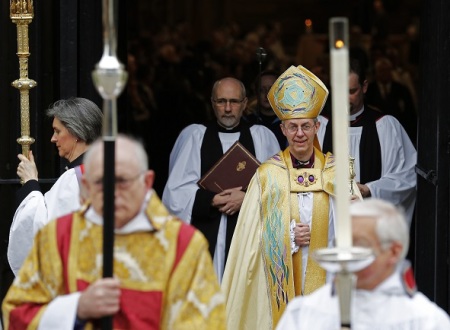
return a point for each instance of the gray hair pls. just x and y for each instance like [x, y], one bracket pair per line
[216, 84]
[97, 147]
[391, 225]
[81, 117]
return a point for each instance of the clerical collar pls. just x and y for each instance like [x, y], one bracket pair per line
[76, 162]
[302, 164]
[235, 129]
[354, 117]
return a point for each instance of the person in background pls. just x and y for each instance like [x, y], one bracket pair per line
[392, 97]
[385, 297]
[262, 112]
[197, 149]
[77, 122]
[288, 212]
[385, 157]
[163, 273]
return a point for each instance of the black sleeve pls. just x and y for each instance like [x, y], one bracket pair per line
[202, 205]
[206, 217]
[29, 186]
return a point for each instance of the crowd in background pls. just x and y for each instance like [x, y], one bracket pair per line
[171, 75]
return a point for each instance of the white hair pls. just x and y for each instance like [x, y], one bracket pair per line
[97, 147]
[391, 225]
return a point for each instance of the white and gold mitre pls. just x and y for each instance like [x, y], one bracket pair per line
[297, 94]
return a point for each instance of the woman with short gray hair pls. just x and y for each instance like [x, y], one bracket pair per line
[80, 116]
[77, 122]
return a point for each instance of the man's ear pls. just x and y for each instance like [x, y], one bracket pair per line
[149, 178]
[283, 129]
[396, 250]
[84, 190]
[364, 86]
[84, 182]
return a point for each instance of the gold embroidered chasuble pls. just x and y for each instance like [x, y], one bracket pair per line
[260, 263]
[167, 278]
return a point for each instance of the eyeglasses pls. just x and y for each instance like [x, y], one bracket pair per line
[121, 183]
[223, 102]
[294, 128]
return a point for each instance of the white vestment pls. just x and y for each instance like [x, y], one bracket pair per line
[397, 183]
[36, 210]
[184, 172]
[387, 307]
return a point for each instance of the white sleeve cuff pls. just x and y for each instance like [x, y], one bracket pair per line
[61, 313]
[294, 247]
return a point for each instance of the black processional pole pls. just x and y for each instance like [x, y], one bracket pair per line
[260, 56]
[109, 78]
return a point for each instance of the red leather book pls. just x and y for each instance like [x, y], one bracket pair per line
[234, 169]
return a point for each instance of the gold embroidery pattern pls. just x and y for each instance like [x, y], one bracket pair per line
[241, 166]
[196, 294]
[275, 239]
[277, 209]
[142, 262]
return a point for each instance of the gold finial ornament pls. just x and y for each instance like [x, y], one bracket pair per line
[21, 14]
[352, 173]
[354, 190]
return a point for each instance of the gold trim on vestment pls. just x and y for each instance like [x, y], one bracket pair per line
[72, 261]
[283, 271]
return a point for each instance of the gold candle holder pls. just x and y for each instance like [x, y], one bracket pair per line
[21, 14]
[354, 190]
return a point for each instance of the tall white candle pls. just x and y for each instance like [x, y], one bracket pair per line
[339, 93]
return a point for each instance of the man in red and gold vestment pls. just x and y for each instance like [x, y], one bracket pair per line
[163, 273]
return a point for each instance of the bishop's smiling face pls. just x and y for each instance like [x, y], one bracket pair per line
[300, 135]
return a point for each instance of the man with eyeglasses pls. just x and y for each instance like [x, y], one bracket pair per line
[163, 273]
[287, 213]
[197, 149]
[385, 296]
[385, 157]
